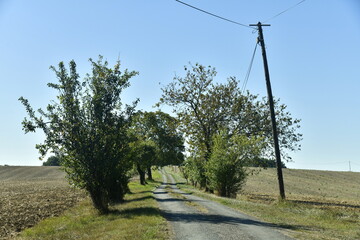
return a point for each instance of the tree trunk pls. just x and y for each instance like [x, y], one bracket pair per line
[222, 191]
[149, 173]
[141, 174]
[116, 192]
[99, 200]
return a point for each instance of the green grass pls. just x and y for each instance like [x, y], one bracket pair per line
[320, 218]
[137, 218]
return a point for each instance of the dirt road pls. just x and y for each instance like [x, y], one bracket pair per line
[192, 217]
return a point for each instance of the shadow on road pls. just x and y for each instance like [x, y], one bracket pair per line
[172, 200]
[164, 192]
[216, 219]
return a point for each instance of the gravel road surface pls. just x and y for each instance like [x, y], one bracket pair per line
[192, 217]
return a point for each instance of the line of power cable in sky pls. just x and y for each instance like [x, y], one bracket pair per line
[243, 25]
[249, 69]
[332, 163]
[275, 16]
[237, 23]
[214, 15]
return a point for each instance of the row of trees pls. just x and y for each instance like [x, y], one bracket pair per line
[225, 129]
[99, 138]
[155, 142]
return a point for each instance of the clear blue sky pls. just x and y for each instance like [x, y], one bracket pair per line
[313, 52]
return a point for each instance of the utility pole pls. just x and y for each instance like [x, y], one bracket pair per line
[272, 111]
[349, 166]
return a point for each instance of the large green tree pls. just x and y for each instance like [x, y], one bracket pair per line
[205, 107]
[88, 125]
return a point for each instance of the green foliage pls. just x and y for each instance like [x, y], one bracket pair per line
[204, 108]
[288, 127]
[162, 130]
[52, 161]
[88, 125]
[193, 170]
[225, 169]
[157, 141]
[143, 154]
[201, 105]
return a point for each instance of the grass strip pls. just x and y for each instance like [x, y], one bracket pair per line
[187, 201]
[301, 221]
[137, 218]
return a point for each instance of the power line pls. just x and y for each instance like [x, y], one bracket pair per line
[214, 15]
[284, 11]
[249, 69]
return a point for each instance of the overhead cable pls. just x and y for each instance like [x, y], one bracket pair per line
[284, 11]
[214, 15]
[249, 69]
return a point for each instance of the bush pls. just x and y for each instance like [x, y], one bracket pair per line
[52, 161]
[225, 169]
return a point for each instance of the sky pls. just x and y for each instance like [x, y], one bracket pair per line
[313, 54]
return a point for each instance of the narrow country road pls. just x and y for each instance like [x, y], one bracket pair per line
[192, 217]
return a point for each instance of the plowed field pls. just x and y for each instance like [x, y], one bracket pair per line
[30, 194]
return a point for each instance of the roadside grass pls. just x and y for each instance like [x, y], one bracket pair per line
[299, 219]
[137, 218]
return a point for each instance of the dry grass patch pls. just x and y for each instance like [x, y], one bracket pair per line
[306, 185]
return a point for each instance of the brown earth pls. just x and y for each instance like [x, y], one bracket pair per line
[31, 194]
[314, 187]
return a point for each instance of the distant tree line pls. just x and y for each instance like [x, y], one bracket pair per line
[52, 161]
[264, 163]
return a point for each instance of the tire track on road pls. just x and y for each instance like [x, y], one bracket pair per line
[189, 221]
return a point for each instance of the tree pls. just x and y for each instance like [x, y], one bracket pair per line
[201, 106]
[162, 129]
[143, 154]
[226, 167]
[52, 161]
[287, 126]
[204, 108]
[193, 169]
[88, 124]
[157, 141]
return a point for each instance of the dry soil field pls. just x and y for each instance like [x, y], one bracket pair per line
[30, 194]
[330, 188]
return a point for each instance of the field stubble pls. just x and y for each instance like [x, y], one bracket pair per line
[311, 187]
[31, 194]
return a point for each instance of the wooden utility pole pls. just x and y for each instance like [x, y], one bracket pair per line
[272, 111]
